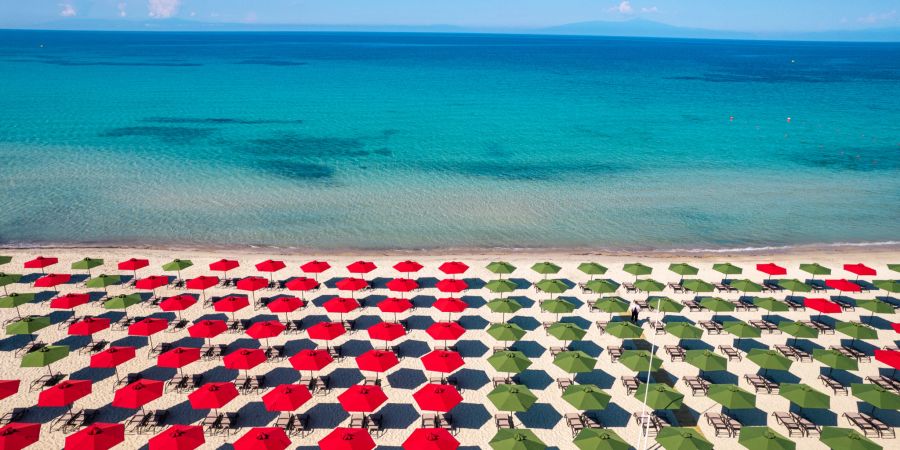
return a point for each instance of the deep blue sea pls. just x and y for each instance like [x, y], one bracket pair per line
[346, 140]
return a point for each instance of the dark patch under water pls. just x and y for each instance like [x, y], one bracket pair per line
[171, 135]
[220, 121]
[63, 62]
[271, 62]
[519, 171]
[307, 146]
[294, 170]
[857, 160]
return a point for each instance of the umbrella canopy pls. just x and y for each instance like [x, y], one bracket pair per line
[52, 280]
[504, 305]
[202, 282]
[794, 285]
[889, 357]
[351, 284]
[437, 397]
[769, 359]
[876, 396]
[252, 284]
[697, 285]
[112, 357]
[624, 330]
[509, 361]
[682, 438]
[599, 439]
[64, 394]
[846, 439]
[575, 362]
[122, 301]
[103, 281]
[764, 438]
[430, 439]
[804, 396]
[301, 284]
[177, 302]
[557, 306]
[741, 329]
[770, 304]
[265, 329]
[212, 395]
[88, 326]
[566, 331]
[177, 265]
[268, 438]
[270, 266]
[843, 285]
[402, 285]
[340, 305]
[133, 264]
[856, 330]
[585, 397]
[746, 286]
[546, 268]
[28, 325]
[888, 285]
[312, 360]
[224, 265]
[876, 306]
[377, 361]
[244, 359]
[152, 282]
[178, 357]
[326, 331]
[443, 361]
[798, 330]
[683, 330]
[612, 305]
[45, 356]
[207, 329]
[360, 398]
[835, 359]
[407, 266]
[501, 268]
[395, 305]
[7, 279]
[727, 269]
[347, 439]
[658, 396]
[4, 259]
[453, 267]
[512, 397]
[706, 360]
[771, 269]
[451, 285]
[16, 299]
[649, 285]
[450, 305]
[41, 262]
[445, 331]
[284, 304]
[665, 304]
[98, 436]
[501, 286]
[716, 304]
[637, 269]
[361, 267]
[386, 331]
[178, 437]
[640, 361]
[69, 301]
[731, 396]
[231, 303]
[315, 266]
[601, 286]
[821, 305]
[815, 269]
[286, 397]
[592, 268]
[860, 269]
[683, 269]
[9, 387]
[506, 332]
[148, 326]
[17, 436]
[516, 439]
[138, 394]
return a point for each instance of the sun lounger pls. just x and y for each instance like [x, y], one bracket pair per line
[45, 381]
[885, 431]
[573, 420]
[371, 380]
[720, 426]
[693, 305]
[373, 424]
[699, 386]
[177, 326]
[211, 422]
[335, 353]
[885, 382]
[320, 385]
[658, 327]
[94, 347]
[503, 420]
[556, 351]
[450, 381]
[851, 353]
[546, 327]
[601, 325]
[642, 304]
[275, 353]
[160, 348]
[730, 352]
[631, 384]
[498, 380]
[772, 286]
[766, 326]
[761, 385]
[845, 305]
[30, 347]
[711, 327]
[650, 423]
[675, 353]
[863, 425]
[677, 288]
[82, 418]
[135, 423]
[722, 287]
[591, 422]
[739, 305]
[500, 348]
[788, 421]
[63, 324]
[794, 306]
[615, 352]
[591, 304]
[13, 416]
[824, 329]
[349, 325]
[629, 287]
[564, 383]
[809, 428]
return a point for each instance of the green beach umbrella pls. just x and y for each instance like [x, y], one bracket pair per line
[7, 279]
[888, 285]
[649, 285]
[586, 397]
[15, 300]
[557, 306]
[697, 285]
[815, 269]
[575, 362]
[794, 285]
[501, 268]
[741, 329]
[512, 397]
[87, 264]
[659, 396]
[592, 268]
[552, 286]
[731, 396]
[637, 269]
[599, 439]
[894, 267]
[45, 356]
[506, 332]
[640, 361]
[601, 286]
[509, 361]
[876, 306]
[770, 304]
[504, 306]
[122, 301]
[716, 304]
[612, 305]
[705, 360]
[798, 330]
[5, 259]
[769, 359]
[624, 330]
[846, 439]
[856, 331]
[682, 438]
[764, 438]
[683, 269]
[876, 396]
[665, 304]
[501, 286]
[103, 281]
[516, 439]
[177, 265]
[835, 359]
[804, 396]
[28, 325]
[727, 269]
[684, 330]
[746, 286]
[545, 268]
[565, 331]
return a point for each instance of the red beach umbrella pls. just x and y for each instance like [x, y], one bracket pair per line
[284, 304]
[896, 327]
[437, 397]
[270, 266]
[286, 397]
[148, 327]
[311, 360]
[843, 285]
[430, 439]
[315, 267]
[407, 267]
[99, 436]
[69, 301]
[8, 387]
[212, 395]
[347, 439]
[265, 330]
[112, 357]
[52, 280]
[269, 438]
[65, 393]
[450, 305]
[445, 331]
[17, 436]
[361, 398]
[152, 282]
[402, 285]
[326, 331]
[88, 326]
[178, 437]
[352, 284]
[202, 283]
[252, 284]
[178, 357]
[302, 284]
[133, 265]
[361, 267]
[452, 285]
[138, 394]
[386, 331]
[245, 359]
[341, 305]
[207, 329]
[771, 269]
[394, 305]
[443, 361]
[822, 305]
[231, 303]
[178, 303]
[41, 262]
[224, 265]
[453, 267]
[889, 357]
[378, 361]
[860, 270]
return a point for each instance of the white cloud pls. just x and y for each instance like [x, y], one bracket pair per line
[650, 10]
[67, 10]
[163, 9]
[874, 18]
[625, 7]
[121, 6]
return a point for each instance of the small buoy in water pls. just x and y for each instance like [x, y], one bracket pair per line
[792, 61]
[731, 118]
[42, 45]
[789, 120]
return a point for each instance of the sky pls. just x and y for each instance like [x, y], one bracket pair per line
[731, 15]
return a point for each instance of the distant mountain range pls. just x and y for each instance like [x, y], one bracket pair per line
[627, 28]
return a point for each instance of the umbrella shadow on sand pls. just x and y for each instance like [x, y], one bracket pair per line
[398, 416]
[613, 416]
[474, 301]
[363, 322]
[696, 344]
[281, 375]
[14, 342]
[326, 416]
[254, 414]
[821, 417]
[471, 379]
[355, 347]
[130, 341]
[412, 348]
[721, 377]
[526, 323]
[473, 322]
[183, 413]
[526, 302]
[746, 344]
[344, 377]
[778, 376]
[530, 349]
[44, 414]
[407, 378]
[470, 348]
[93, 374]
[535, 379]
[876, 322]
[44, 296]
[419, 322]
[423, 301]
[596, 377]
[471, 416]
[589, 347]
[539, 416]
[294, 346]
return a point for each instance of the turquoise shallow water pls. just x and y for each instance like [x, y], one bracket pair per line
[420, 141]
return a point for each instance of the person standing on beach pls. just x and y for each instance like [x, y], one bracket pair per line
[634, 314]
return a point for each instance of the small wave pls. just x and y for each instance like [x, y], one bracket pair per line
[781, 247]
